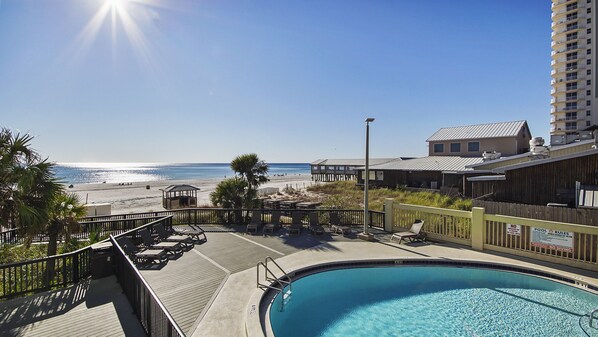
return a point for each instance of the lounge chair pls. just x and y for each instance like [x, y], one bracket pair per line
[192, 231]
[413, 234]
[255, 223]
[314, 224]
[141, 256]
[296, 225]
[148, 242]
[335, 224]
[274, 223]
[185, 240]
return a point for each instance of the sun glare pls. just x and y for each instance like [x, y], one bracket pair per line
[124, 16]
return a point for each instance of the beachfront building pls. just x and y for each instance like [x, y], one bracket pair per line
[444, 173]
[327, 170]
[556, 178]
[179, 196]
[574, 92]
[506, 138]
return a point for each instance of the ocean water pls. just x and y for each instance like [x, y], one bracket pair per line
[431, 301]
[88, 173]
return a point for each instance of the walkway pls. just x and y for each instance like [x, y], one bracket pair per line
[94, 307]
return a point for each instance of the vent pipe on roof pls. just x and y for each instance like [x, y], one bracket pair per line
[486, 156]
[537, 148]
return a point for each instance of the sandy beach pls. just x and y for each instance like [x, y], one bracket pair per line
[136, 198]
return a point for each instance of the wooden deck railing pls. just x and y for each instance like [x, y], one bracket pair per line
[43, 274]
[153, 316]
[116, 224]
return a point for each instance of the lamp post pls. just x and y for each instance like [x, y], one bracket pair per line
[366, 216]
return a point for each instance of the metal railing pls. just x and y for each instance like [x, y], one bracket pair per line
[44, 274]
[154, 318]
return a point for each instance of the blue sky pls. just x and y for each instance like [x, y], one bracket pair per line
[293, 81]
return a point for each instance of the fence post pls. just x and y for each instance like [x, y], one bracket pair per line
[389, 214]
[478, 228]
[76, 268]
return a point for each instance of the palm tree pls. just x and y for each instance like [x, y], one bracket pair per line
[254, 171]
[27, 185]
[229, 193]
[65, 211]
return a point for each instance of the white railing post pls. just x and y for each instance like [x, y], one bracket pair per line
[478, 228]
[390, 214]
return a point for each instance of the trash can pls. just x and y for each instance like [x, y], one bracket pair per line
[102, 260]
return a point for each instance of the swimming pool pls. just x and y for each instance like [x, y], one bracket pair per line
[431, 301]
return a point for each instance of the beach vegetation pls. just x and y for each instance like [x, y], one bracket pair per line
[254, 172]
[346, 195]
[229, 193]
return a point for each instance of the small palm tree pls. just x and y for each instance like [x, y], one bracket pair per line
[65, 212]
[254, 171]
[229, 193]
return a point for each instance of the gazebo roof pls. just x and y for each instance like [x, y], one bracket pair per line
[179, 188]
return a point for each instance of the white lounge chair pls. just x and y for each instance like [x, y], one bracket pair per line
[414, 233]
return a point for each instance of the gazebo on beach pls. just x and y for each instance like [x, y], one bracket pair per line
[179, 196]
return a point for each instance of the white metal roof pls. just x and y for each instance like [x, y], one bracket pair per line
[488, 178]
[479, 131]
[503, 169]
[352, 162]
[431, 163]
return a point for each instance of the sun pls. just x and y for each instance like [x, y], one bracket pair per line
[124, 18]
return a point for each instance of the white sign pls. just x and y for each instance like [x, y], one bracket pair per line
[552, 239]
[514, 229]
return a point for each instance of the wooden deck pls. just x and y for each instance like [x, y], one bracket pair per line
[92, 307]
[186, 286]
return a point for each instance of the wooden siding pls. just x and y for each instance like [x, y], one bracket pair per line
[582, 216]
[543, 183]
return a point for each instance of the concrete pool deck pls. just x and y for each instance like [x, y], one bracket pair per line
[237, 302]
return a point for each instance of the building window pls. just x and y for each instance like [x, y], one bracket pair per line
[589, 72]
[571, 46]
[571, 106]
[571, 16]
[572, 26]
[589, 41]
[589, 10]
[588, 112]
[589, 82]
[455, 147]
[571, 76]
[571, 66]
[571, 96]
[571, 126]
[588, 103]
[570, 116]
[589, 61]
[572, 36]
[572, 56]
[571, 7]
[589, 21]
[571, 86]
[588, 51]
[589, 92]
[588, 123]
[589, 31]
[438, 148]
[473, 147]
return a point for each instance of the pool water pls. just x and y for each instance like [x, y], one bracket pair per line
[431, 301]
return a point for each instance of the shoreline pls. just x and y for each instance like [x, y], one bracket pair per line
[135, 198]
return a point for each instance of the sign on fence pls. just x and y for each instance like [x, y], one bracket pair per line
[514, 229]
[552, 239]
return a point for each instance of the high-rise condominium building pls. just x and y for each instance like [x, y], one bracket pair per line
[574, 76]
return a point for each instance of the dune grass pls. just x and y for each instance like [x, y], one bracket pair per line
[344, 194]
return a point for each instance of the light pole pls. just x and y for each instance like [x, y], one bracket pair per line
[366, 179]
